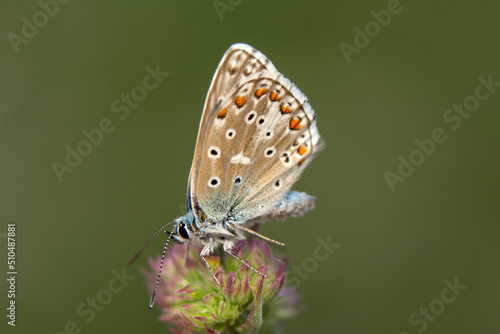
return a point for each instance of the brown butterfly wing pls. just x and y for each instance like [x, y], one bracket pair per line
[257, 134]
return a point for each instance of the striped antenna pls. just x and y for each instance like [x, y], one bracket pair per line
[133, 258]
[153, 297]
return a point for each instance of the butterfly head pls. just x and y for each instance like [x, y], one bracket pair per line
[183, 231]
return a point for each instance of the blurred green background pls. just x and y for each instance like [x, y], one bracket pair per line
[397, 247]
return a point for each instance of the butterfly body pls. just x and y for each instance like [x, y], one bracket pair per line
[207, 234]
[211, 235]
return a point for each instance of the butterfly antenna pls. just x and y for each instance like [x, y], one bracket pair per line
[133, 258]
[153, 296]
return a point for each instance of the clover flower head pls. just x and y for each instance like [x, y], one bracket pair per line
[193, 302]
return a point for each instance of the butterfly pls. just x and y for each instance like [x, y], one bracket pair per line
[256, 136]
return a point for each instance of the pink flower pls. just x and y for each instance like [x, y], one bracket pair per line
[193, 302]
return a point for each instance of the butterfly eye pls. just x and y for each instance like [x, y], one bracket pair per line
[183, 231]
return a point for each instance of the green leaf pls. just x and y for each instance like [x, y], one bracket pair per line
[254, 320]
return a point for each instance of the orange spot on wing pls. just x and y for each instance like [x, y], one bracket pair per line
[295, 124]
[222, 113]
[274, 96]
[302, 150]
[301, 162]
[240, 101]
[285, 109]
[259, 92]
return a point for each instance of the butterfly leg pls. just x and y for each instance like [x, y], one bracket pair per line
[210, 269]
[252, 232]
[230, 252]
